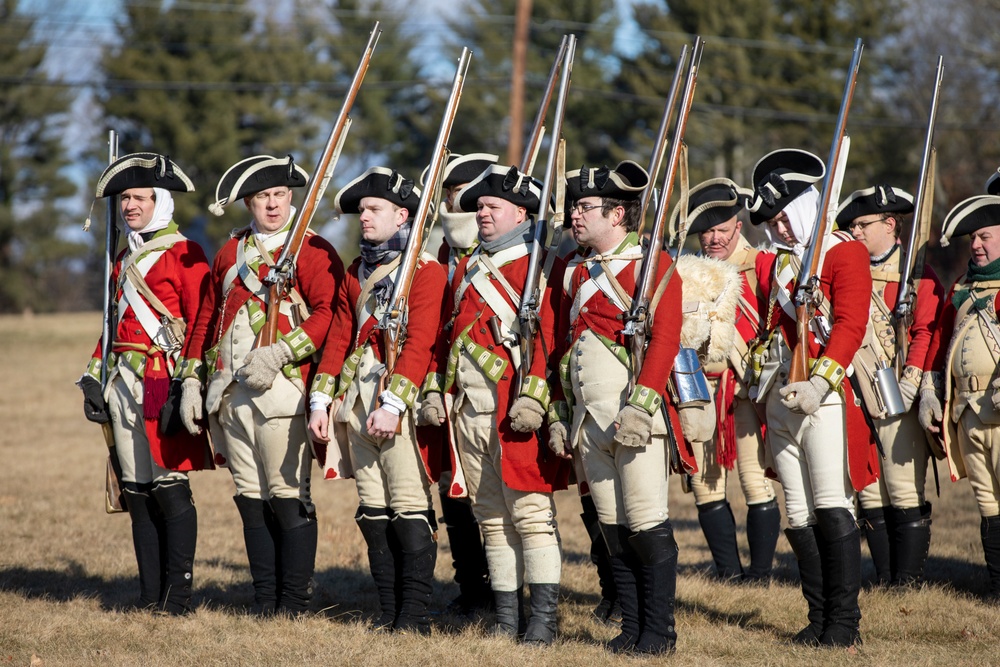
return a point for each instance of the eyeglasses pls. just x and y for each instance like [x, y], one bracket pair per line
[863, 225]
[583, 208]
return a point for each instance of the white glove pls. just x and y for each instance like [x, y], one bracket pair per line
[192, 405]
[431, 410]
[558, 436]
[804, 398]
[930, 411]
[909, 393]
[634, 426]
[526, 415]
[263, 364]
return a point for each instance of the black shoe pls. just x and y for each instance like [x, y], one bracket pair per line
[719, 527]
[416, 533]
[543, 624]
[657, 551]
[383, 554]
[805, 543]
[262, 538]
[149, 542]
[626, 570]
[510, 621]
[879, 545]
[299, 535]
[180, 521]
[841, 577]
[763, 528]
[911, 535]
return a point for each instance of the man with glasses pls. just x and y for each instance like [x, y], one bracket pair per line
[727, 433]
[611, 418]
[894, 512]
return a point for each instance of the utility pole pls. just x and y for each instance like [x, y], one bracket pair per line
[522, 20]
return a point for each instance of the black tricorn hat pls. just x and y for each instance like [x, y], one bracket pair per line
[142, 170]
[256, 174]
[876, 199]
[970, 215]
[382, 183]
[462, 168]
[993, 183]
[710, 203]
[504, 182]
[778, 178]
[626, 181]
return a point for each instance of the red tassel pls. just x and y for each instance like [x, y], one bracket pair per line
[725, 406]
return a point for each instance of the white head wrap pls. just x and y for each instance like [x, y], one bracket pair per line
[801, 213]
[163, 213]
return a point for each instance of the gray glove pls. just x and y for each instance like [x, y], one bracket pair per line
[909, 393]
[263, 364]
[526, 415]
[431, 410]
[192, 407]
[995, 395]
[930, 410]
[558, 435]
[634, 427]
[804, 398]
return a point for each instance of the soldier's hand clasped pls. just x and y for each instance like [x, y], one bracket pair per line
[431, 410]
[526, 415]
[634, 426]
[263, 364]
[95, 408]
[805, 398]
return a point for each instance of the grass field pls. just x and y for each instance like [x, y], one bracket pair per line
[67, 569]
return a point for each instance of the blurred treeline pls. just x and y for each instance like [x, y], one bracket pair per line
[210, 82]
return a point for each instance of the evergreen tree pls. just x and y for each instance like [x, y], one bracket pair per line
[210, 85]
[34, 258]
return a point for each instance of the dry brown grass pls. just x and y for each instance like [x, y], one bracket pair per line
[67, 570]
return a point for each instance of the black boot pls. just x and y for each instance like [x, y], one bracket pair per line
[180, 523]
[417, 535]
[841, 577]
[262, 538]
[543, 624]
[147, 538]
[716, 519]
[510, 620]
[805, 543]
[912, 542]
[657, 551]
[763, 528]
[877, 533]
[468, 557]
[989, 529]
[607, 610]
[384, 559]
[627, 571]
[299, 534]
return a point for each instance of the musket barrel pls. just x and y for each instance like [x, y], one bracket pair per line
[110, 246]
[810, 262]
[903, 299]
[538, 127]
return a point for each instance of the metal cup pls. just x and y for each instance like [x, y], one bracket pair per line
[689, 379]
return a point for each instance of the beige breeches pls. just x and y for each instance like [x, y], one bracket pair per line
[129, 427]
[389, 472]
[628, 484]
[904, 468]
[268, 457]
[980, 447]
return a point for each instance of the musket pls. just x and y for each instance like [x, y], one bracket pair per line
[637, 320]
[281, 277]
[114, 502]
[807, 293]
[393, 323]
[660, 145]
[916, 245]
[527, 313]
[534, 143]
